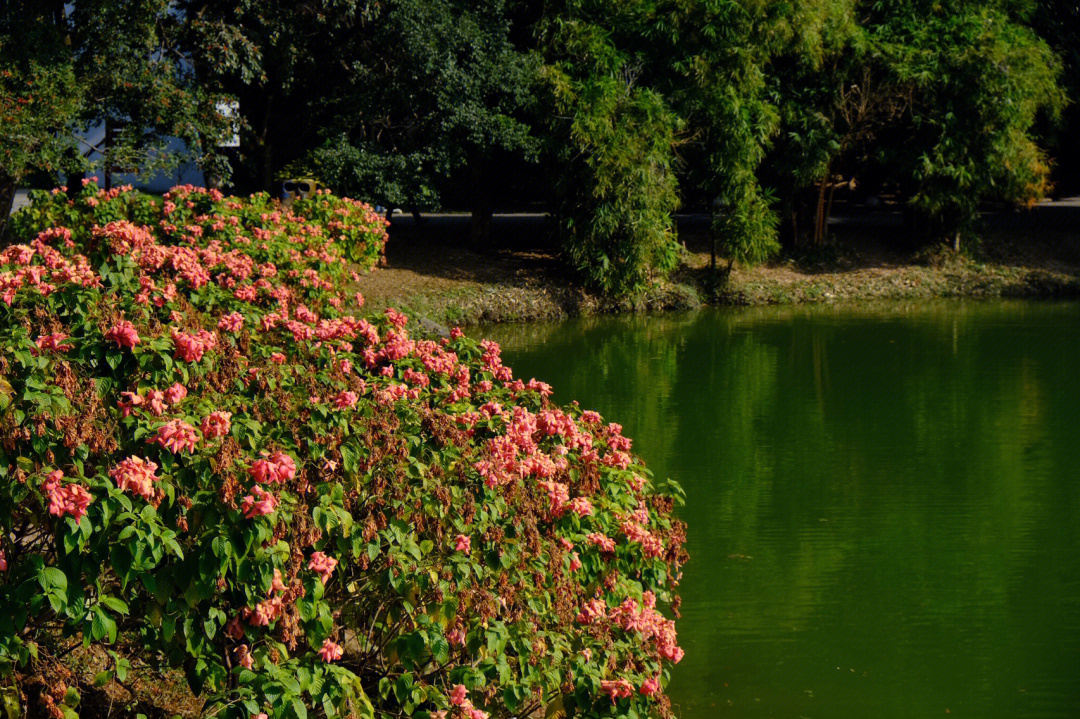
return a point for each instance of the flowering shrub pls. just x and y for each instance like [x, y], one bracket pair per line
[211, 462]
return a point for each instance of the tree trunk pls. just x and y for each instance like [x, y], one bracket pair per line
[7, 197]
[819, 218]
[256, 174]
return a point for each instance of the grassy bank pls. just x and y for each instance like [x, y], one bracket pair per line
[432, 271]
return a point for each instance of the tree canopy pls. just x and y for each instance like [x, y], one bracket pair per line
[614, 115]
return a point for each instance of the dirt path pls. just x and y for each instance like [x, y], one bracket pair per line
[431, 269]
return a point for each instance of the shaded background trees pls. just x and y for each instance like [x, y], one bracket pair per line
[611, 116]
[68, 67]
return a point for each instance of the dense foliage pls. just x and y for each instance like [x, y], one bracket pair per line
[612, 114]
[938, 102]
[614, 141]
[67, 68]
[210, 462]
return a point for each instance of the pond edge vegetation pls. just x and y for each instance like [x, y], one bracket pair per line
[219, 476]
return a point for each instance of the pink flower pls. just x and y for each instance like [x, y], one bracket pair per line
[606, 544]
[580, 506]
[558, 494]
[277, 358]
[650, 687]
[176, 436]
[135, 475]
[458, 695]
[277, 585]
[345, 400]
[258, 503]
[190, 347]
[128, 405]
[232, 322]
[322, 565]
[264, 612]
[475, 713]
[156, 399]
[234, 629]
[53, 341]
[244, 654]
[65, 499]
[463, 544]
[617, 689]
[216, 424]
[124, 334]
[277, 469]
[591, 611]
[330, 651]
[176, 393]
[3, 561]
[575, 562]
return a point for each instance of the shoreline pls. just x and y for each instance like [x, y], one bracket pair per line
[432, 273]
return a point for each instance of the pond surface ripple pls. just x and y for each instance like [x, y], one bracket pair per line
[883, 501]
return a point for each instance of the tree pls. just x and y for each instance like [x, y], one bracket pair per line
[612, 140]
[981, 78]
[381, 100]
[944, 99]
[38, 98]
[1058, 22]
[67, 67]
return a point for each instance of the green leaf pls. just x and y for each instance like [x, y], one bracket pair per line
[53, 577]
[117, 605]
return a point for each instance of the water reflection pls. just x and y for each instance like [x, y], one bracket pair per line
[882, 502]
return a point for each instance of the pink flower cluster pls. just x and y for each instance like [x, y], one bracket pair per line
[322, 565]
[175, 394]
[54, 269]
[591, 611]
[617, 689]
[216, 424]
[345, 400]
[459, 697]
[277, 468]
[155, 400]
[606, 543]
[258, 503]
[65, 499]
[330, 652]
[650, 624]
[190, 347]
[650, 687]
[54, 342]
[123, 334]
[232, 322]
[176, 436]
[135, 475]
[559, 496]
[243, 654]
[635, 528]
[265, 611]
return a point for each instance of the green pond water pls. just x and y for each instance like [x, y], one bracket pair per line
[883, 501]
